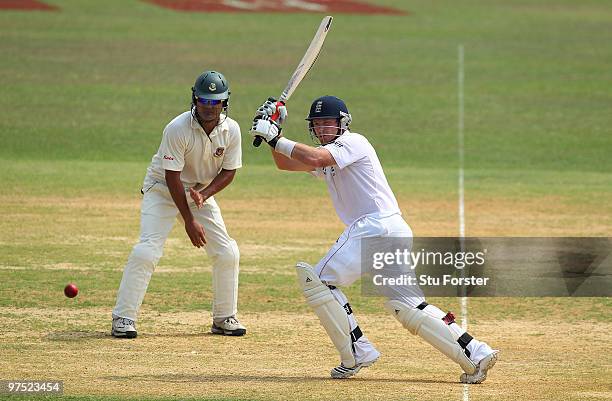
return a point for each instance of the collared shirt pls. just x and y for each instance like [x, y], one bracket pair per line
[185, 147]
[357, 182]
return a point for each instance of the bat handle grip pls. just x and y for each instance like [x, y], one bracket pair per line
[258, 140]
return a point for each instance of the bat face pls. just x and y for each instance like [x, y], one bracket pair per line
[305, 64]
[309, 58]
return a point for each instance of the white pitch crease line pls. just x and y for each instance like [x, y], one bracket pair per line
[460, 135]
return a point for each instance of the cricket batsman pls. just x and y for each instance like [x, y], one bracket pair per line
[366, 205]
[199, 154]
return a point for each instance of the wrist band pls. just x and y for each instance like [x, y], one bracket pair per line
[285, 146]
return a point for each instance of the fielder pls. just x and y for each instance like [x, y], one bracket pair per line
[366, 205]
[199, 154]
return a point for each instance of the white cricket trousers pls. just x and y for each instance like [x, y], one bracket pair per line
[157, 217]
[341, 266]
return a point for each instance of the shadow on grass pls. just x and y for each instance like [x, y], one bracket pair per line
[187, 378]
[89, 335]
[204, 333]
[76, 335]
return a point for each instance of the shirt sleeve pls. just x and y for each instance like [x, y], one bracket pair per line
[347, 150]
[233, 154]
[172, 149]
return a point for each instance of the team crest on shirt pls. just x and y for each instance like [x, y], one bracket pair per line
[219, 152]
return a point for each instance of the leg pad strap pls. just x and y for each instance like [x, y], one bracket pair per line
[332, 315]
[435, 332]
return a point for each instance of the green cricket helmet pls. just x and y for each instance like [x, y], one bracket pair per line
[211, 85]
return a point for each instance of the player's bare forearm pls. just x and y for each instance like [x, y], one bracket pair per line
[222, 180]
[287, 164]
[194, 230]
[177, 191]
[312, 157]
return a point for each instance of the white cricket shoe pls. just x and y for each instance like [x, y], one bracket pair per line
[342, 372]
[123, 327]
[228, 327]
[481, 370]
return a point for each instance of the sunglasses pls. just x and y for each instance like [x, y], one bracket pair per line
[209, 102]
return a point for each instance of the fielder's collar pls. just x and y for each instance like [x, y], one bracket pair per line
[223, 127]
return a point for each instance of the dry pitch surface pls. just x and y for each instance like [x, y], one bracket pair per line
[551, 348]
[286, 356]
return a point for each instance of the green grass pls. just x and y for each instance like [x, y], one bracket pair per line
[91, 83]
[87, 90]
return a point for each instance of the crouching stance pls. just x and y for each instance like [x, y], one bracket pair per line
[366, 205]
[199, 154]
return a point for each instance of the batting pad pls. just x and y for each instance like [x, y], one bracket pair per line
[432, 330]
[331, 314]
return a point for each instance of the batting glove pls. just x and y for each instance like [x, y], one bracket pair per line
[271, 107]
[267, 129]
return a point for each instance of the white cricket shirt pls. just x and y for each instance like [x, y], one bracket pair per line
[185, 147]
[357, 183]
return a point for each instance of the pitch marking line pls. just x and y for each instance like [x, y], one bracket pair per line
[460, 138]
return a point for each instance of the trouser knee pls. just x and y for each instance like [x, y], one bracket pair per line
[226, 257]
[147, 253]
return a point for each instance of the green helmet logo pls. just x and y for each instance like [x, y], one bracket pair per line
[211, 85]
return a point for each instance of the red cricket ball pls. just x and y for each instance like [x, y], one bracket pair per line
[71, 290]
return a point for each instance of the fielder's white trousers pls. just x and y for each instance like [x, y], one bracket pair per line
[341, 266]
[157, 217]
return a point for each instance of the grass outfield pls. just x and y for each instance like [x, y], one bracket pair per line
[104, 78]
[87, 90]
